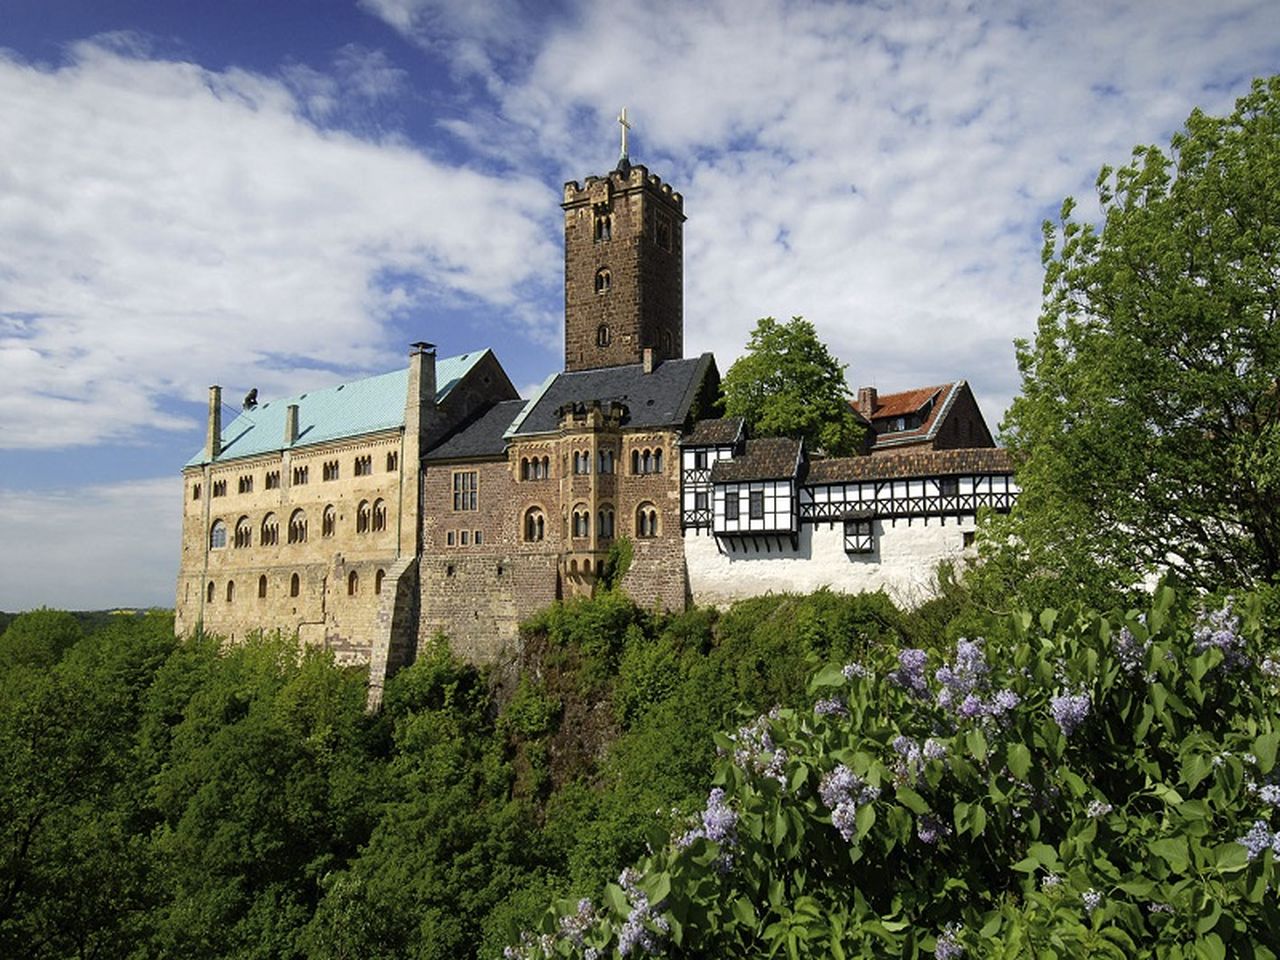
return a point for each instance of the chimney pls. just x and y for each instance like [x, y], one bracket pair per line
[213, 438]
[420, 404]
[867, 401]
[647, 359]
[291, 425]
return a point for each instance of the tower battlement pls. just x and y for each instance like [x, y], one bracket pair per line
[633, 177]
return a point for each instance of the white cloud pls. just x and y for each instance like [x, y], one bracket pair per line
[166, 224]
[92, 547]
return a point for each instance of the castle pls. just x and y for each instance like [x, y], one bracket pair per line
[371, 515]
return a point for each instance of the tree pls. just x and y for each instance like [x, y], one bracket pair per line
[788, 383]
[1148, 428]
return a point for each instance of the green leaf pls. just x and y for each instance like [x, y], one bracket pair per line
[1019, 760]
[1211, 948]
[1173, 851]
[864, 819]
[829, 676]
[1209, 915]
[912, 800]
[977, 819]
[1264, 748]
[745, 912]
[1230, 857]
[616, 899]
[977, 744]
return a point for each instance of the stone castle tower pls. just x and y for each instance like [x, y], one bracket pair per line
[623, 270]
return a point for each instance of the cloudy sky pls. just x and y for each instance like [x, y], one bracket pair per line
[285, 194]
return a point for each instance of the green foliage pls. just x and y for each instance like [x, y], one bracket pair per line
[789, 384]
[38, 639]
[889, 818]
[1148, 428]
[617, 563]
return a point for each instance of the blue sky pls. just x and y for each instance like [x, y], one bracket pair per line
[283, 195]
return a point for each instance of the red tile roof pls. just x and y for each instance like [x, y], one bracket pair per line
[914, 463]
[908, 401]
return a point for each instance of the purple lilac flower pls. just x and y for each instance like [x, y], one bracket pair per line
[831, 707]
[948, 945]
[591, 953]
[910, 672]
[1092, 900]
[1270, 794]
[574, 927]
[1004, 701]
[1220, 630]
[842, 792]
[719, 825]
[1070, 710]
[1270, 667]
[964, 676]
[1131, 654]
[852, 670]
[755, 752]
[1049, 881]
[934, 749]
[1159, 908]
[930, 829]
[1098, 808]
[635, 935]
[1258, 839]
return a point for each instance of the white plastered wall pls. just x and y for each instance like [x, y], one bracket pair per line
[902, 564]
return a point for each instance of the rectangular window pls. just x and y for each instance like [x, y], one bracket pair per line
[464, 490]
[731, 506]
[700, 460]
[700, 500]
[970, 538]
[949, 486]
[755, 504]
[273, 480]
[478, 539]
[448, 538]
[466, 537]
[859, 536]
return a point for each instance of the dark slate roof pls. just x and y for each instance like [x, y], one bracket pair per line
[765, 458]
[482, 437]
[910, 463]
[658, 399]
[714, 433]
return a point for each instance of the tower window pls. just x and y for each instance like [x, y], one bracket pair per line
[262, 587]
[663, 231]
[603, 227]
[377, 581]
[602, 335]
[195, 491]
[602, 280]
[295, 585]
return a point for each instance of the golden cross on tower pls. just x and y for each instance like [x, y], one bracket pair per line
[626, 125]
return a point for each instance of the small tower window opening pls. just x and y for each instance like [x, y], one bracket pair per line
[663, 231]
[231, 590]
[666, 343]
[534, 525]
[379, 515]
[195, 491]
[604, 523]
[262, 587]
[603, 280]
[353, 583]
[270, 531]
[646, 521]
[328, 522]
[208, 594]
[217, 535]
[581, 523]
[603, 228]
[295, 585]
[377, 581]
[364, 466]
[393, 462]
[298, 527]
[606, 461]
[244, 533]
[330, 470]
[602, 335]
[364, 517]
[582, 462]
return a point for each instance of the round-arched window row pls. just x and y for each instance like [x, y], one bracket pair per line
[647, 460]
[535, 525]
[535, 468]
[646, 521]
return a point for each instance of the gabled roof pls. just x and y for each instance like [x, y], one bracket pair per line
[976, 461]
[908, 402]
[723, 432]
[661, 398]
[484, 436]
[765, 458]
[349, 409]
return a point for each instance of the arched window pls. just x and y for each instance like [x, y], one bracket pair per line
[534, 525]
[244, 532]
[262, 587]
[657, 460]
[602, 280]
[635, 461]
[353, 583]
[524, 468]
[298, 527]
[646, 521]
[295, 585]
[208, 594]
[606, 461]
[666, 342]
[379, 515]
[604, 523]
[270, 531]
[646, 462]
[231, 590]
[364, 517]
[546, 467]
[602, 335]
[581, 521]
[377, 581]
[217, 535]
[329, 521]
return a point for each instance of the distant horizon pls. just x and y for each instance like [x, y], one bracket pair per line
[253, 195]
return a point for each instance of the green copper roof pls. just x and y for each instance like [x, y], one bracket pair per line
[334, 413]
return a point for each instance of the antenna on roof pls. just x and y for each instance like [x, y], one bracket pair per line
[251, 399]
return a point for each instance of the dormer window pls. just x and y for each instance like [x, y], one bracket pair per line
[602, 280]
